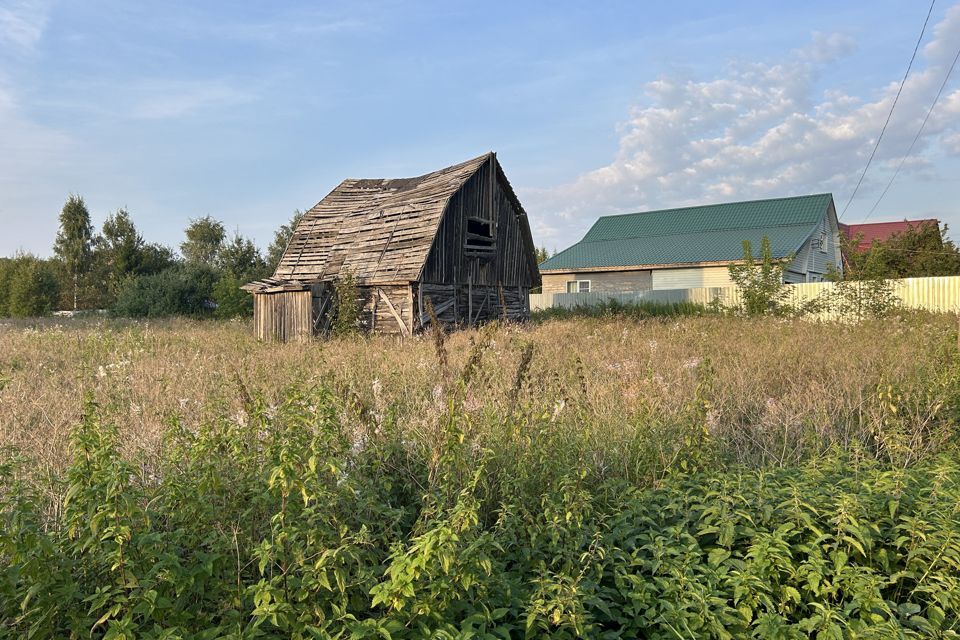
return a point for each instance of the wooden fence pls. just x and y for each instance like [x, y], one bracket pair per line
[940, 294]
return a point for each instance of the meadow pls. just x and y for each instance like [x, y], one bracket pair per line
[616, 476]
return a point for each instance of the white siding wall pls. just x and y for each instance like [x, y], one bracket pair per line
[691, 278]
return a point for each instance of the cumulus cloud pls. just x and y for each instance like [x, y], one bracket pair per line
[760, 130]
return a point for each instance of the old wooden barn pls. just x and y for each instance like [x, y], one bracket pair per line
[457, 239]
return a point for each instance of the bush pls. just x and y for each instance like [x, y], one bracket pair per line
[180, 290]
[761, 285]
[346, 305]
[28, 287]
[862, 299]
[283, 523]
[614, 309]
[231, 300]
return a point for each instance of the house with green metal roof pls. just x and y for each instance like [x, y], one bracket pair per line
[694, 246]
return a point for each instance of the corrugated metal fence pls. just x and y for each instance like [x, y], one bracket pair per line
[940, 294]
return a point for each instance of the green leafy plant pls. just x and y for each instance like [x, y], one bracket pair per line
[346, 305]
[761, 284]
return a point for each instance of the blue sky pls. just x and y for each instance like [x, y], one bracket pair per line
[246, 111]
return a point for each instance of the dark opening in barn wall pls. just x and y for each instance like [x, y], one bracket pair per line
[480, 235]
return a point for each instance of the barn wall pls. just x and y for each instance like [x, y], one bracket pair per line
[285, 316]
[450, 262]
[470, 305]
[458, 273]
[376, 314]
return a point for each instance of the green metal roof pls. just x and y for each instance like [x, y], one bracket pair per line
[710, 233]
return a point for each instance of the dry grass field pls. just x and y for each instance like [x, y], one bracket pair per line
[697, 476]
[769, 391]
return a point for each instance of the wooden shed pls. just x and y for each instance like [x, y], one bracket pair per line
[456, 238]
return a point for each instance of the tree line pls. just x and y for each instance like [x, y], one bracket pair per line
[115, 269]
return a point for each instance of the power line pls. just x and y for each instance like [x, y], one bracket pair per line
[890, 114]
[916, 137]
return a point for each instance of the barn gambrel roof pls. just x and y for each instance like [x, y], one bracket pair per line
[381, 230]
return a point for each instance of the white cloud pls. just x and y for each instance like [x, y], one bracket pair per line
[31, 157]
[161, 100]
[22, 24]
[760, 130]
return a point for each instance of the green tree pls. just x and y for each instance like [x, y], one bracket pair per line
[281, 238]
[761, 285]
[922, 250]
[118, 249]
[73, 244]
[240, 262]
[154, 258]
[205, 237]
[28, 286]
[241, 258]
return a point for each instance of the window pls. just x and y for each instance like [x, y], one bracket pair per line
[479, 235]
[822, 244]
[578, 286]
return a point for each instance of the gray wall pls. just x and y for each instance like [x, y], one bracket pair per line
[601, 281]
[811, 263]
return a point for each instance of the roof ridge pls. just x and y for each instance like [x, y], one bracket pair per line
[483, 157]
[716, 204]
[904, 221]
[710, 230]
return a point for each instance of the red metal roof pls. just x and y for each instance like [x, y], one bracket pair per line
[881, 230]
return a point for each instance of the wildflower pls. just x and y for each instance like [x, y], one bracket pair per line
[558, 408]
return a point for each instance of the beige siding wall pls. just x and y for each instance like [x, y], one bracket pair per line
[601, 281]
[691, 278]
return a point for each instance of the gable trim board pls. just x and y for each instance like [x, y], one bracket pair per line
[707, 239]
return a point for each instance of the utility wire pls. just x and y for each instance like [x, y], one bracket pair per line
[916, 137]
[890, 114]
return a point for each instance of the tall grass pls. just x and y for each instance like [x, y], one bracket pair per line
[603, 476]
[766, 391]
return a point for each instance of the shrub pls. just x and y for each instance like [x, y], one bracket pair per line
[346, 305]
[615, 309]
[282, 522]
[179, 290]
[862, 299]
[28, 287]
[761, 285]
[231, 300]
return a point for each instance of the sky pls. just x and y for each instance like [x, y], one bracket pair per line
[246, 111]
